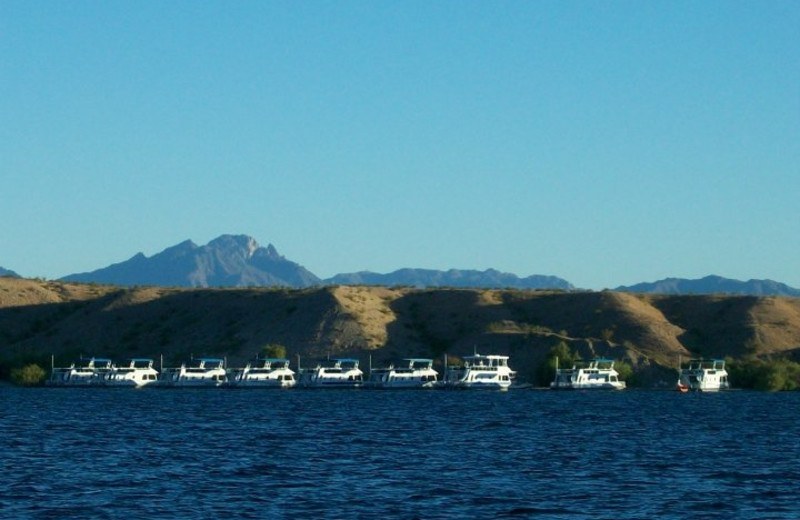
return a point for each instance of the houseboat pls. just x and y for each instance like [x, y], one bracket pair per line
[198, 373]
[703, 375]
[263, 373]
[333, 373]
[410, 373]
[136, 373]
[480, 371]
[595, 374]
[84, 372]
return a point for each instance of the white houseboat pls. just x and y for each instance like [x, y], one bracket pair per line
[198, 373]
[480, 371]
[263, 373]
[411, 373]
[333, 373]
[138, 372]
[595, 374]
[703, 375]
[84, 372]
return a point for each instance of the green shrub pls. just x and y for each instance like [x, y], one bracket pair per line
[560, 355]
[772, 375]
[273, 350]
[29, 375]
[625, 370]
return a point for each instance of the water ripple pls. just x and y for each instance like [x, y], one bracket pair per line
[400, 455]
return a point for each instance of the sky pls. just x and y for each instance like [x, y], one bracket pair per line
[607, 143]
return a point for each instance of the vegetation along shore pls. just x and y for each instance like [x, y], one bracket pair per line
[647, 334]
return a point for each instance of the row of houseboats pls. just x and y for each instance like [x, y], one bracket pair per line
[476, 371]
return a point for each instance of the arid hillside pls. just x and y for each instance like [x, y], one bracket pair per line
[40, 319]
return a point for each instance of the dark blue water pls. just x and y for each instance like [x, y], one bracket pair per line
[123, 454]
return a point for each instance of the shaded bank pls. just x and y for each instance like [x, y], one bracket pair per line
[43, 318]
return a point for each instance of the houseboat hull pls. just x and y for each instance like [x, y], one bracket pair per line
[703, 375]
[417, 373]
[263, 373]
[480, 372]
[595, 374]
[84, 373]
[333, 373]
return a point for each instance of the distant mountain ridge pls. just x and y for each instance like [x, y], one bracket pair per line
[8, 272]
[238, 261]
[489, 278]
[712, 285]
[227, 261]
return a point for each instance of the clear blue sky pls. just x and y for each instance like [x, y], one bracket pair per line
[607, 143]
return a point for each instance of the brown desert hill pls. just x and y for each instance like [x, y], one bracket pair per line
[717, 325]
[619, 319]
[69, 320]
[43, 318]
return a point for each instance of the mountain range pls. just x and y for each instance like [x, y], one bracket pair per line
[239, 261]
[226, 261]
[8, 272]
[712, 285]
[489, 278]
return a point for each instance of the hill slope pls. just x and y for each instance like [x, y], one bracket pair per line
[39, 318]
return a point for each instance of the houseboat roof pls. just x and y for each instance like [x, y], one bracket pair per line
[345, 360]
[93, 363]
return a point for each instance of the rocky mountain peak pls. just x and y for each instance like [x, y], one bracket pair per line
[240, 245]
[271, 252]
[226, 261]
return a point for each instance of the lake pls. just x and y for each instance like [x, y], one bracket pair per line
[360, 454]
